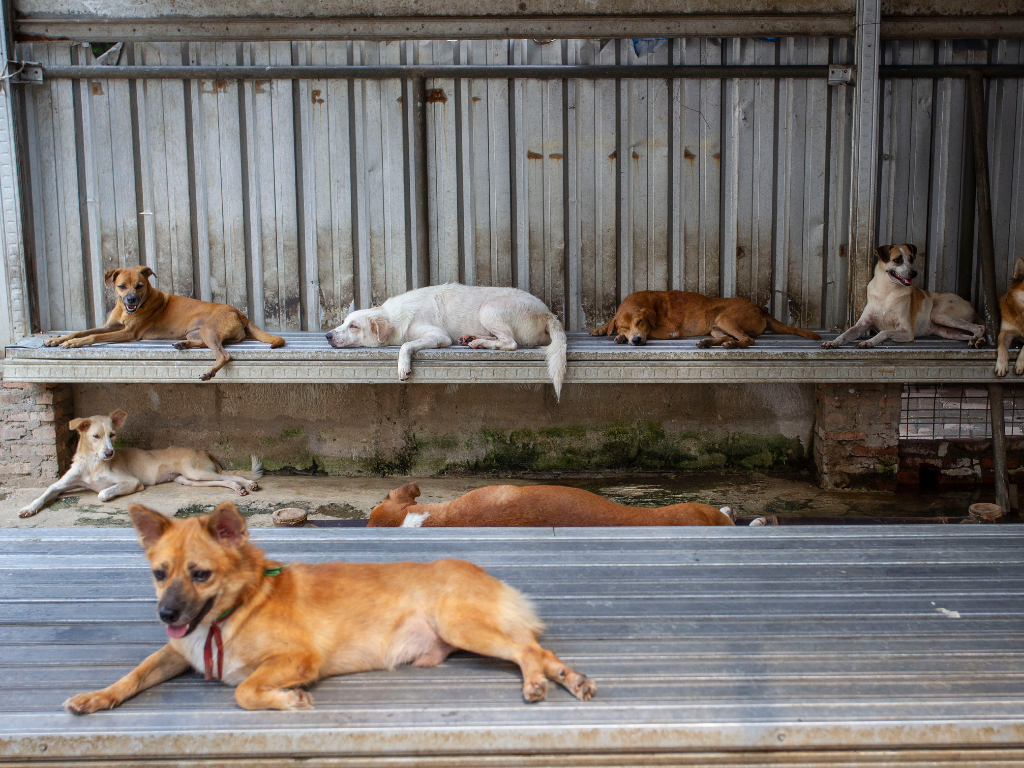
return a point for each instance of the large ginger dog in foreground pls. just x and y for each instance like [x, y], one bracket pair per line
[143, 312]
[272, 629]
[733, 323]
[534, 505]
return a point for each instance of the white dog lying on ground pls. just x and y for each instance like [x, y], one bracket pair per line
[441, 315]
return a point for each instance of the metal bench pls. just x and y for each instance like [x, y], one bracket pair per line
[714, 646]
[308, 358]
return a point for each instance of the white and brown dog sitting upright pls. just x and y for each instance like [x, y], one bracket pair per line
[901, 312]
[96, 466]
[1011, 327]
[271, 629]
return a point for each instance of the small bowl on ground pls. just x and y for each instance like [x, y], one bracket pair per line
[290, 517]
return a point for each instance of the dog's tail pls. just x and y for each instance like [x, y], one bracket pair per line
[555, 354]
[267, 338]
[257, 467]
[778, 327]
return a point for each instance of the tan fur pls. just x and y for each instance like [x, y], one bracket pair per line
[678, 314]
[903, 312]
[161, 315]
[96, 466]
[285, 632]
[1011, 326]
[533, 505]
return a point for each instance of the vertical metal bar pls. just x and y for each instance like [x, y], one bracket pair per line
[865, 151]
[986, 255]
[14, 321]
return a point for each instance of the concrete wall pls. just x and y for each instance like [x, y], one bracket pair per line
[427, 429]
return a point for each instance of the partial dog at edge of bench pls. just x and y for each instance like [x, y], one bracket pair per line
[901, 312]
[143, 312]
[733, 323]
[1011, 327]
[534, 505]
[96, 466]
[272, 629]
[441, 315]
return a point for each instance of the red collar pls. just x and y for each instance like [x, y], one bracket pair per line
[214, 636]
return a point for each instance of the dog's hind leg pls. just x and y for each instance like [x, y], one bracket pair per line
[741, 339]
[275, 683]
[211, 336]
[502, 339]
[717, 337]
[121, 489]
[210, 479]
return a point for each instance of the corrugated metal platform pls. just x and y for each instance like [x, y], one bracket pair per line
[709, 647]
[307, 357]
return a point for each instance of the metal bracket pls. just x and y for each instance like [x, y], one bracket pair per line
[25, 71]
[840, 74]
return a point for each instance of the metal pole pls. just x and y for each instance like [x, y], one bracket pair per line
[986, 255]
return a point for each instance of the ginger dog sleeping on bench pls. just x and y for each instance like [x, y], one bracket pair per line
[143, 312]
[534, 505]
[733, 323]
[98, 467]
[272, 629]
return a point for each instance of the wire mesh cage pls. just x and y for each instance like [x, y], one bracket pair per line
[956, 412]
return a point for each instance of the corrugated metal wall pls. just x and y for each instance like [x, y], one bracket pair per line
[292, 199]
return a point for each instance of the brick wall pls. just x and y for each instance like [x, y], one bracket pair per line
[34, 437]
[856, 435]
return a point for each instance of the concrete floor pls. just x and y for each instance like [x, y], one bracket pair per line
[791, 497]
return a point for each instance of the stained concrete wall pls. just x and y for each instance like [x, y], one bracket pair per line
[428, 429]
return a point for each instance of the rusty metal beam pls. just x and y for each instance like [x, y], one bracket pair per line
[951, 27]
[986, 255]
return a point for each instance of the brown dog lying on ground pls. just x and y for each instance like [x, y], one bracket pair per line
[272, 629]
[98, 467]
[534, 505]
[143, 312]
[1011, 310]
[733, 323]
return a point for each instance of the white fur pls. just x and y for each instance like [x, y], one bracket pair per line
[193, 645]
[414, 519]
[439, 315]
[728, 512]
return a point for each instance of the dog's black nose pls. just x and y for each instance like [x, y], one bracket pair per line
[169, 615]
[913, 274]
[636, 340]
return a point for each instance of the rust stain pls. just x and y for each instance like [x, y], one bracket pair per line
[435, 95]
[476, 98]
[688, 155]
[261, 85]
[399, 99]
[220, 86]
[740, 253]
[613, 155]
[97, 89]
[534, 156]
[315, 97]
[842, 251]
[635, 155]
[555, 156]
[717, 155]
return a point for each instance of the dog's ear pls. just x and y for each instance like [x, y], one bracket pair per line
[79, 425]
[913, 249]
[410, 489]
[227, 525]
[118, 417]
[1018, 269]
[881, 253]
[150, 525]
[110, 276]
[147, 273]
[380, 327]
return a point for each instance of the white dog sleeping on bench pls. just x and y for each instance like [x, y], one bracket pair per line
[442, 315]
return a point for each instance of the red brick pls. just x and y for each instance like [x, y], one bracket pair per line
[908, 477]
[839, 436]
[867, 450]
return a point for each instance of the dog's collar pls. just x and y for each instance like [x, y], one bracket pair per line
[213, 635]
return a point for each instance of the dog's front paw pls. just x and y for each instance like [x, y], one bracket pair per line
[977, 342]
[28, 512]
[865, 345]
[72, 344]
[535, 690]
[465, 340]
[55, 341]
[87, 703]
[830, 344]
[180, 345]
[581, 686]
[1002, 367]
[252, 485]
[404, 371]
[107, 494]
[704, 344]
[296, 698]
[597, 332]
[1019, 367]
[206, 376]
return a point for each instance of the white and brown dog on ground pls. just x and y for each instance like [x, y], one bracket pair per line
[442, 315]
[1011, 325]
[901, 312]
[96, 466]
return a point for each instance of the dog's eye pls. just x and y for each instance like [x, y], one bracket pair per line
[138, 286]
[200, 575]
[159, 574]
[120, 287]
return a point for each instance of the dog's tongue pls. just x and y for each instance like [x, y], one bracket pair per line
[178, 631]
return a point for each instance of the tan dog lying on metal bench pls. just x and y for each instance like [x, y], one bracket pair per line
[534, 505]
[98, 467]
[143, 312]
